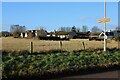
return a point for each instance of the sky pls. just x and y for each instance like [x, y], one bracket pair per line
[59, 0]
[53, 15]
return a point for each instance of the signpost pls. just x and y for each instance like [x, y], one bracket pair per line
[104, 20]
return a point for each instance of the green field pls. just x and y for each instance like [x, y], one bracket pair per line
[53, 64]
[19, 44]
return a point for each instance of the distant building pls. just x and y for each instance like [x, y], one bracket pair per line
[62, 34]
[72, 35]
[16, 30]
[41, 32]
[80, 35]
[22, 35]
[5, 34]
[116, 33]
[33, 33]
[29, 34]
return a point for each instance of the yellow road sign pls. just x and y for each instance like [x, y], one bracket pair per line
[104, 20]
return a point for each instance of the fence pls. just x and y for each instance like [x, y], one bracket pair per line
[63, 46]
[34, 45]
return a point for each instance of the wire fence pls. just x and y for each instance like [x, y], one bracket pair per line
[62, 45]
[43, 45]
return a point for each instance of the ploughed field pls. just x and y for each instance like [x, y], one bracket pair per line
[11, 44]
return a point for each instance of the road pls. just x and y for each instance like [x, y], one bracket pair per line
[111, 75]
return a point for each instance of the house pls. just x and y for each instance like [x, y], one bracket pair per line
[72, 35]
[108, 35]
[95, 36]
[116, 33]
[62, 34]
[33, 33]
[17, 30]
[29, 34]
[5, 34]
[41, 32]
[81, 35]
[22, 35]
[58, 35]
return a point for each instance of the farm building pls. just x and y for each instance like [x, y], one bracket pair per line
[41, 32]
[62, 34]
[16, 30]
[95, 36]
[33, 33]
[5, 34]
[100, 36]
[28, 34]
[59, 35]
[51, 34]
[116, 33]
[72, 35]
[82, 35]
[22, 35]
[109, 35]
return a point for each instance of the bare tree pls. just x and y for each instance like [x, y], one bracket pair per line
[68, 29]
[84, 29]
[16, 30]
[41, 28]
[61, 29]
[78, 29]
[74, 29]
[96, 29]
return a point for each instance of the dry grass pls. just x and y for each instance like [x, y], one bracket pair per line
[10, 43]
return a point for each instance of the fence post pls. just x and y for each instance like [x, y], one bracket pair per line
[61, 44]
[83, 45]
[31, 47]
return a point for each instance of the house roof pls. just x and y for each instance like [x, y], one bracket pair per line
[59, 33]
[95, 34]
[82, 33]
[51, 33]
[62, 33]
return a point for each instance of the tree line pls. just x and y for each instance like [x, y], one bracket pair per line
[20, 29]
[77, 29]
[16, 29]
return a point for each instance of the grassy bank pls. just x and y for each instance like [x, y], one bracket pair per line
[57, 63]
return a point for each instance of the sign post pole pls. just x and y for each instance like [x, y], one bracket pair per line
[104, 20]
[104, 25]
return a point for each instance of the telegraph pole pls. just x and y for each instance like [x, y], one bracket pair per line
[105, 43]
